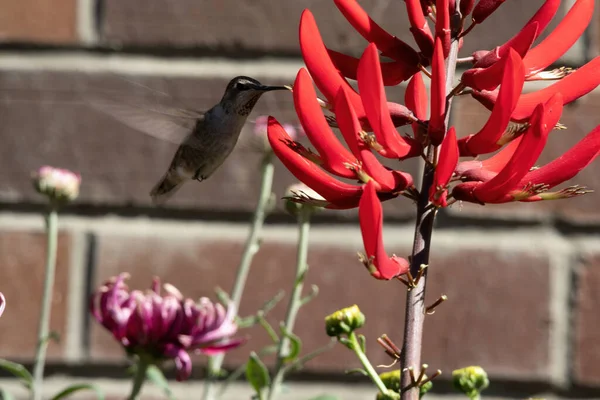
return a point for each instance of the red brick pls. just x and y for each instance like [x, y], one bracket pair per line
[586, 349]
[580, 118]
[265, 26]
[39, 21]
[484, 298]
[22, 256]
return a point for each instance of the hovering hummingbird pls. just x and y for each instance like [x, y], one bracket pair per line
[205, 138]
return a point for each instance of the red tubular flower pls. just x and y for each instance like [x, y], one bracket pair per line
[419, 27]
[499, 188]
[466, 6]
[484, 9]
[570, 28]
[572, 87]
[487, 139]
[383, 178]
[442, 25]
[338, 193]
[437, 128]
[335, 157]
[520, 43]
[372, 94]
[392, 72]
[390, 46]
[568, 165]
[327, 77]
[444, 170]
[416, 100]
[370, 216]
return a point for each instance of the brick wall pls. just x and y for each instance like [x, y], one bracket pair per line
[522, 280]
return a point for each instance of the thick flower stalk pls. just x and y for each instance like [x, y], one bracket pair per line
[158, 326]
[374, 129]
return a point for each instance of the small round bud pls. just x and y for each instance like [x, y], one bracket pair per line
[391, 380]
[470, 380]
[426, 387]
[59, 185]
[299, 196]
[344, 321]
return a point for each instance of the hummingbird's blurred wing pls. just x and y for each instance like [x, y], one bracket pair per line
[162, 122]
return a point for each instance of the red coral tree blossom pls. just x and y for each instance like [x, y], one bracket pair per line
[375, 129]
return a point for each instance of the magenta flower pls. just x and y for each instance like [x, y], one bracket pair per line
[163, 326]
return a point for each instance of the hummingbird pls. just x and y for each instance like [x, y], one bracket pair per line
[206, 138]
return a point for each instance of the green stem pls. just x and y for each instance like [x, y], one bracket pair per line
[295, 299]
[250, 249]
[366, 363]
[139, 378]
[44, 322]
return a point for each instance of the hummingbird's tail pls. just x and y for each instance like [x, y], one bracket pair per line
[166, 187]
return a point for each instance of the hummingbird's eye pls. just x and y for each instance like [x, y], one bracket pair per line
[241, 86]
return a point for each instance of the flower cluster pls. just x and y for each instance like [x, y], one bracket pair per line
[59, 185]
[165, 326]
[516, 131]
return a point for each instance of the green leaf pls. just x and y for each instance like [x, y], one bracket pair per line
[222, 295]
[79, 387]
[18, 371]
[295, 344]
[324, 397]
[155, 375]
[362, 340]
[4, 395]
[356, 371]
[257, 374]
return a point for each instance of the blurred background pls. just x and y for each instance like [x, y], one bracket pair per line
[522, 279]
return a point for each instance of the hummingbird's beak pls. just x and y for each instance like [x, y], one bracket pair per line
[266, 88]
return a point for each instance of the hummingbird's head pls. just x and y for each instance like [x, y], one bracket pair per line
[243, 92]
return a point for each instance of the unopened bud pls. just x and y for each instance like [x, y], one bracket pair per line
[59, 185]
[470, 380]
[391, 380]
[425, 387]
[344, 321]
[300, 197]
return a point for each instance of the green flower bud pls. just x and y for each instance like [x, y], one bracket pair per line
[391, 380]
[344, 321]
[470, 380]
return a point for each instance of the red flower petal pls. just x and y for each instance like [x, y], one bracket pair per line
[370, 216]
[442, 25]
[419, 27]
[569, 164]
[389, 45]
[486, 140]
[386, 180]
[521, 43]
[416, 100]
[484, 9]
[321, 68]
[532, 143]
[335, 156]
[306, 171]
[445, 168]
[373, 97]
[437, 126]
[393, 72]
[466, 6]
[572, 87]
[570, 28]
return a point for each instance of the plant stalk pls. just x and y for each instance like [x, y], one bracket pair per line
[44, 322]
[295, 300]
[415, 298]
[364, 360]
[139, 378]
[250, 249]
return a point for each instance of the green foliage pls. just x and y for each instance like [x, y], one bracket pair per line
[155, 375]
[257, 374]
[18, 371]
[77, 388]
